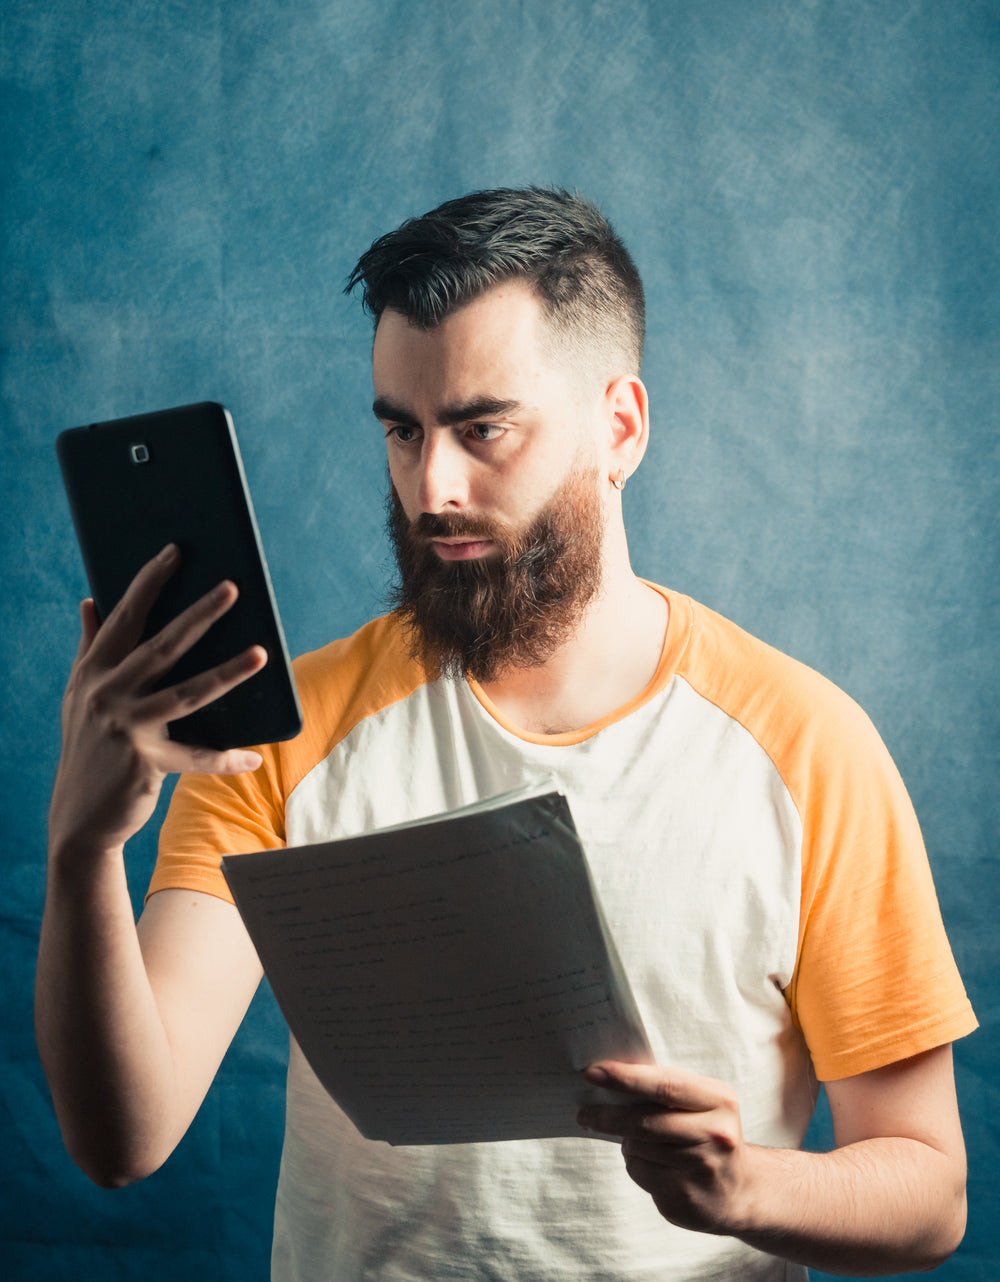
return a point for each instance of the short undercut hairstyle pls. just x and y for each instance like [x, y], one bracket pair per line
[559, 244]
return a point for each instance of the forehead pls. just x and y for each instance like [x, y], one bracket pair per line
[499, 334]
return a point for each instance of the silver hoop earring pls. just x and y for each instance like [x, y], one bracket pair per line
[619, 481]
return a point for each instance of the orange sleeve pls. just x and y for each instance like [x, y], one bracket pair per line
[875, 980]
[215, 815]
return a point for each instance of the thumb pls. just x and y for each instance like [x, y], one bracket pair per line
[89, 625]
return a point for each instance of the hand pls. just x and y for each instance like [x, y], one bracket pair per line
[682, 1141]
[116, 751]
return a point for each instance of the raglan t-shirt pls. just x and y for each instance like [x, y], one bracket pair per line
[761, 870]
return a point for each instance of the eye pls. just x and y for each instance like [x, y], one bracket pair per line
[487, 431]
[403, 434]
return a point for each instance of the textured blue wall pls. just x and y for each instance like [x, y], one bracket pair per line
[811, 191]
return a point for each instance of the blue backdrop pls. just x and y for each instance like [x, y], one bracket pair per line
[810, 188]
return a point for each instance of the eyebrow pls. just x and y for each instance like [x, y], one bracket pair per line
[480, 407]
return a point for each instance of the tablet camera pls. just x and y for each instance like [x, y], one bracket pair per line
[139, 453]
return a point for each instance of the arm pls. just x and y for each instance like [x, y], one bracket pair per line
[131, 1025]
[889, 1198]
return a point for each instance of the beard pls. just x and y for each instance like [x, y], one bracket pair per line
[512, 609]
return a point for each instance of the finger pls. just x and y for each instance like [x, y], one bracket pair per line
[678, 1141]
[89, 625]
[678, 1157]
[180, 758]
[649, 1172]
[646, 1123]
[668, 1087]
[123, 627]
[657, 1128]
[159, 653]
[198, 691]
[605, 1120]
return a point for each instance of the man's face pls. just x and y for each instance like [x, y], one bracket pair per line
[497, 514]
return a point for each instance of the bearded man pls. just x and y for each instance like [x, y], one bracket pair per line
[750, 840]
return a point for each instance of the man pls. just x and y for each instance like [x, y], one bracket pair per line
[751, 842]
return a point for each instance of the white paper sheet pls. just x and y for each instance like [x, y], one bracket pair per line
[447, 982]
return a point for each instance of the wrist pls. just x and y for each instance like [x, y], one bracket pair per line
[71, 857]
[751, 1213]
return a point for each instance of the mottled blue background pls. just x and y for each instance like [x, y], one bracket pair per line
[810, 188]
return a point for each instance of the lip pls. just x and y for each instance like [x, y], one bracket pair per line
[458, 549]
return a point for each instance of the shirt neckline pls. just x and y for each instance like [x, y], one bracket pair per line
[675, 640]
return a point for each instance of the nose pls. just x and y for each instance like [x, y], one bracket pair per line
[444, 482]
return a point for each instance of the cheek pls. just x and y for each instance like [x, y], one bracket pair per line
[403, 485]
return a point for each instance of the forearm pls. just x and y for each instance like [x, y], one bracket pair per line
[125, 1090]
[100, 1037]
[879, 1206]
[888, 1199]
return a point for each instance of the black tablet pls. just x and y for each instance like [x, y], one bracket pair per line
[136, 484]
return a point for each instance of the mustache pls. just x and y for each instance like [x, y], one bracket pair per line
[454, 525]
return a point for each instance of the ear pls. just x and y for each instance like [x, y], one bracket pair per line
[627, 407]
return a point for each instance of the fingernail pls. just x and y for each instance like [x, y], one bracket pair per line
[168, 553]
[596, 1074]
[252, 761]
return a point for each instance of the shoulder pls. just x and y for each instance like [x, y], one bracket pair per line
[822, 745]
[378, 652]
[347, 681]
[339, 685]
[788, 707]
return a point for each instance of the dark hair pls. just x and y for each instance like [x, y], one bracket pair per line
[561, 245]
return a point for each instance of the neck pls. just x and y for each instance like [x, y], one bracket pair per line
[609, 660]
